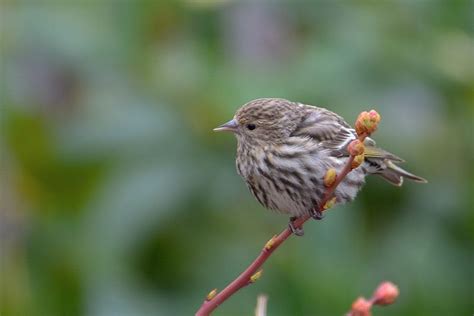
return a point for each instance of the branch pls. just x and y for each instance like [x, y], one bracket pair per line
[385, 294]
[365, 125]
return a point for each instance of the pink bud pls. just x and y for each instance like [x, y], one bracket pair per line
[356, 148]
[361, 307]
[367, 122]
[359, 125]
[385, 294]
[374, 116]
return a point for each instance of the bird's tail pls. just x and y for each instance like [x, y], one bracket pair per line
[395, 175]
[383, 164]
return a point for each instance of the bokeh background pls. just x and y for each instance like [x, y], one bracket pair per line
[118, 199]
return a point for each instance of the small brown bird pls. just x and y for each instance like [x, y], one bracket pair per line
[285, 149]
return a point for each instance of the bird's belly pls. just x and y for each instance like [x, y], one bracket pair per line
[290, 202]
[286, 190]
[279, 197]
[297, 193]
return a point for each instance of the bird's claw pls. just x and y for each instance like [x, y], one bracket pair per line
[298, 231]
[317, 214]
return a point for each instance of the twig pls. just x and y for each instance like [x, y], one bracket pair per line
[261, 309]
[366, 124]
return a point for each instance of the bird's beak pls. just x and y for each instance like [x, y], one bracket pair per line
[230, 126]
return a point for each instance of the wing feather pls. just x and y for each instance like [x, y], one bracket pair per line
[327, 128]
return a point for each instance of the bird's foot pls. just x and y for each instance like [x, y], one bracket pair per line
[317, 214]
[298, 231]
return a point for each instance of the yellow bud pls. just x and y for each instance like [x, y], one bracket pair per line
[211, 295]
[330, 177]
[330, 203]
[254, 278]
[358, 160]
[269, 244]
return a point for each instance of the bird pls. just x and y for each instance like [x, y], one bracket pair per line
[285, 148]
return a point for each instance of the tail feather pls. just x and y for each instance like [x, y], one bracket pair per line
[385, 167]
[392, 177]
[393, 171]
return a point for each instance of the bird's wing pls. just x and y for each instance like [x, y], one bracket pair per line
[327, 128]
[374, 153]
[332, 133]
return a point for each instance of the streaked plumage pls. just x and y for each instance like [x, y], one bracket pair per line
[285, 148]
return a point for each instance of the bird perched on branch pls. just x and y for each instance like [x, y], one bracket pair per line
[285, 149]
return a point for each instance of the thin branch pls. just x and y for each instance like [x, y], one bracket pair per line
[366, 124]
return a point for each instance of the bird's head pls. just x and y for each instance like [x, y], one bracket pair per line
[264, 121]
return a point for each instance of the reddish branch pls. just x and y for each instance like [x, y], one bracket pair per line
[366, 124]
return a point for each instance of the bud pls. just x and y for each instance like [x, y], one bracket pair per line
[358, 160]
[269, 244]
[374, 116]
[356, 148]
[330, 203]
[360, 123]
[211, 295]
[254, 278]
[361, 307]
[385, 294]
[367, 122]
[330, 177]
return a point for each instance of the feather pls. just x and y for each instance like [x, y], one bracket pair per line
[403, 173]
[325, 127]
[375, 152]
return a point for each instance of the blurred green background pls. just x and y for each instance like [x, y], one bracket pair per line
[118, 199]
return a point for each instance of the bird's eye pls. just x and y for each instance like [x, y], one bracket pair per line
[251, 126]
